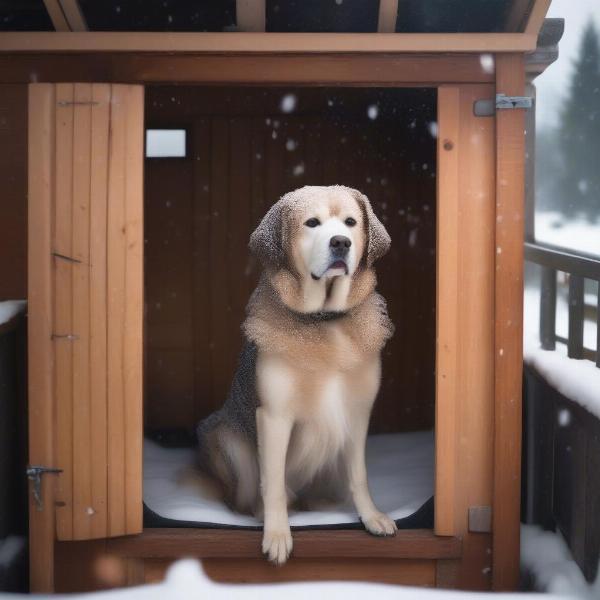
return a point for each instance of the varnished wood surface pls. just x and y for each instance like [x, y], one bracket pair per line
[324, 544]
[298, 69]
[253, 42]
[510, 193]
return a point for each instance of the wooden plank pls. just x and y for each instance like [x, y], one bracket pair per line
[303, 68]
[134, 304]
[250, 15]
[56, 15]
[536, 17]
[41, 133]
[80, 217]
[388, 13]
[98, 306]
[447, 311]
[232, 543]
[375, 570]
[465, 300]
[63, 308]
[510, 157]
[73, 15]
[253, 42]
[116, 288]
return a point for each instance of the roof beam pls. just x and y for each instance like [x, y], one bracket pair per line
[537, 16]
[251, 15]
[66, 15]
[388, 13]
[264, 43]
[57, 16]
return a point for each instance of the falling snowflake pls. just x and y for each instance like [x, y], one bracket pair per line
[291, 145]
[487, 63]
[298, 169]
[373, 112]
[288, 103]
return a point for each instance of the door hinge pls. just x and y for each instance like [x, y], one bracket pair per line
[487, 107]
[480, 519]
[34, 474]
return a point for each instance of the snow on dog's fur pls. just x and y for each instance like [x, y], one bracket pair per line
[294, 426]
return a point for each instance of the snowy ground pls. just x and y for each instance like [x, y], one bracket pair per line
[577, 234]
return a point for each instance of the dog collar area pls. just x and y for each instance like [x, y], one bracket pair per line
[320, 316]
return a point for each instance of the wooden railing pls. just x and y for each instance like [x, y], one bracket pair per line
[579, 268]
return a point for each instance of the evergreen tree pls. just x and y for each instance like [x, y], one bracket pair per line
[580, 132]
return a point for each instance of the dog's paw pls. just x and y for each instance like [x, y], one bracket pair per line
[277, 544]
[380, 524]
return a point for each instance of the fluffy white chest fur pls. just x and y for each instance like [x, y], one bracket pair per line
[326, 410]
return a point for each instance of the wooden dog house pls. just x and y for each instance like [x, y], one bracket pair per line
[95, 351]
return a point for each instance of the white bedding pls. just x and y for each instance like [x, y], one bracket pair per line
[400, 468]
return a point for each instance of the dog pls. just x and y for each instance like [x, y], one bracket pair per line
[293, 428]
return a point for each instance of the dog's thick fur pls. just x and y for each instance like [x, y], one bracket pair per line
[294, 426]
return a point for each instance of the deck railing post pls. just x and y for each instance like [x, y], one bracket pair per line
[576, 307]
[548, 309]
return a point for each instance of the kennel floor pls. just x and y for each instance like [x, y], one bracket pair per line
[401, 479]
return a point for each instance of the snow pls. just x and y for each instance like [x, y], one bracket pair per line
[576, 234]
[288, 103]
[186, 580]
[11, 308]
[172, 489]
[547, 557]
[373, 112]
[578, 380]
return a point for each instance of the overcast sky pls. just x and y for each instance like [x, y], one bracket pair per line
[552, 85]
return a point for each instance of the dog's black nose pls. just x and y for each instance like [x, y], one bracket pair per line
[340, 243]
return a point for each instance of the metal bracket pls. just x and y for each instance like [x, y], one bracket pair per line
[480, 519]
[77, 103]
[503, 101]
[34, 474]
[488, 106]
[67, 258]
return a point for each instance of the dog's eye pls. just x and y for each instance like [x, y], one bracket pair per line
[314, 222]
[350, 222]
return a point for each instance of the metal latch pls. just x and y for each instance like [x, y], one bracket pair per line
[488, 106]
[34, 474]
[504, 101]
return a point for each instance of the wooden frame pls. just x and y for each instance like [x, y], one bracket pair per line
[255, 42]
[479, 250]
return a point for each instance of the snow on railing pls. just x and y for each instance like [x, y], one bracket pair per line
[579, 267]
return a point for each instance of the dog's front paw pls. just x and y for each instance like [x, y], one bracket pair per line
[380, 524]
[277, 544]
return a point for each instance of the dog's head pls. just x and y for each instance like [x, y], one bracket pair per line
[320, 232]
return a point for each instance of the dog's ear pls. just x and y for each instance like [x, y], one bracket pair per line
[378, 239]
[266, 241]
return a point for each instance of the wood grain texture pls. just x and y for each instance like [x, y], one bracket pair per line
[465, 392]
[40, 323]
[299, 69]
[13, 208]
[63, 306]
[510, 190]
[97, 304]
[323, 544]
[353, 43]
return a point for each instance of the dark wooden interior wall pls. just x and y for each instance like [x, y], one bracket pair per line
[13, 202]
[244, 152]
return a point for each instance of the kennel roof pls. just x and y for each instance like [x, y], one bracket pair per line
[284, 16]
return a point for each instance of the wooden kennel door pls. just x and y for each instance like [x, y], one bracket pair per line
[86, 307]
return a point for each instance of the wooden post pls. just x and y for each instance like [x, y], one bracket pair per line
[39, 295]
[510, 190]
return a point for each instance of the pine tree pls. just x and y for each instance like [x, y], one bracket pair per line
[580, 132]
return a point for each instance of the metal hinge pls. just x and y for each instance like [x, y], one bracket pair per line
[488, 107]
[34, 473]
[480, 519]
